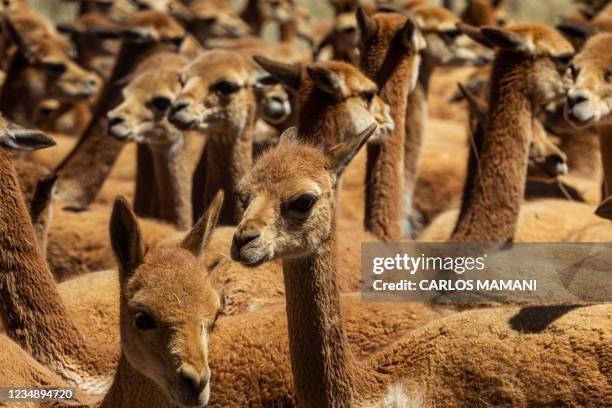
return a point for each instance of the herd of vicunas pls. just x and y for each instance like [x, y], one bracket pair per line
[192, 235]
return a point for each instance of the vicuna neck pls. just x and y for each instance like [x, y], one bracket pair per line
[32, 311]
[173, 186]
[18, 98]
[132, 389]
[416, 118]
[87, 166]
[385, 163]
[321, 121]
[605, 144]
[498, 189]
[228, 158]
[322, 366]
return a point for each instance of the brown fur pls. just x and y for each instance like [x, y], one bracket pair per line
[324, 370]
[35, 317]
[137, 119]
[389, 56]
[37, 187]
[493, 212]
[226, 119]
[84, 170]
[167, 364]
[589, 100]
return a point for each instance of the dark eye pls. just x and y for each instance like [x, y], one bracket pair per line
[267, 80]
[181, 81]
[574, 71]
[242, 198]
[451, 34]
[160, 103]
[56, 68]
[369, 96]
[143, 321]
[609, 75]
[226, 87]
[303, 203]
[566, 60]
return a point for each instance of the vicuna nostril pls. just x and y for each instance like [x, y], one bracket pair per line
[191, 381]
[179, 106]
[115, 120]
[575, 100]
[556, 164]
[245, 237]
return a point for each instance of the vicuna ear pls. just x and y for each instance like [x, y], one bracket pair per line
[605, 209]
[140, 35]
[126, 238]
[198, 238]
[290, 135]
[341, 155]
[507, 40]
[43, 195]
[287, 74]
[367, 26]
[325, 79]
[15, 36]
[580, 31]
[474, 33]
[477, 105]
[19, 138]
[409, 36]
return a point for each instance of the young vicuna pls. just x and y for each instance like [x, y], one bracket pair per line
[390, 47]
[167, 311]
[589, 100]
[217, 98]
[438, 359]
[141, 117]
[88, 164]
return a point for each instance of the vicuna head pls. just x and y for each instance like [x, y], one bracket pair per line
[289, 197]
[539, 54]
[51, 71]
[334, 85]
[446, 45]
[167, 305]
[142, 115]
[589, 98]
[216, 94]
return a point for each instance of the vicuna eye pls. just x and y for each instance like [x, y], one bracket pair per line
[160, 103]
[143, 321]
[565, 60]
[303, 203]
[226, 87]
[369, 96]
[451, 34]
[573, 71]
[609, 75]
[56, 68]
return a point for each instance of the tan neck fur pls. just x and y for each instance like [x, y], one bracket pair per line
[498, 190]
[384, 168]
[173, 186]
[228, 158]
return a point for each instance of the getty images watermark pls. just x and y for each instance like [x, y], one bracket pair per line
[514, 272]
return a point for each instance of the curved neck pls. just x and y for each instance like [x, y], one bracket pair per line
[18, 99]
[491, 214]
[32, 311]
